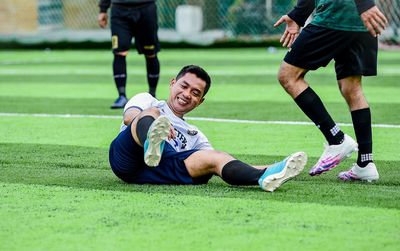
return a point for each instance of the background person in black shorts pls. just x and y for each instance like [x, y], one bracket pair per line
[132, 18]
[336, 32]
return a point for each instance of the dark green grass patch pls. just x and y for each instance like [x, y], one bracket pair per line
[88, 168]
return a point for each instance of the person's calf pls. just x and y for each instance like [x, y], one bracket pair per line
[153, 73]
[238, 173]
[144, 121]
[120, 75]
[352, 92]
[142, 127]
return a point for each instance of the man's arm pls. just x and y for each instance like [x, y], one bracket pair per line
[371, 16]
[302, 11]
[130, 114]
[136, 105]
[104, 5]
[363, 5]
[304, 8]
[102, 18]
[294, 20]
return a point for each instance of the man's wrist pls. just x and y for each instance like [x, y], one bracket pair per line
[103, 9]
[298, 19]
[302, 11]
[364, 5]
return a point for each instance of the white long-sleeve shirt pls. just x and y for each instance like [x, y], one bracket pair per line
[188, 136]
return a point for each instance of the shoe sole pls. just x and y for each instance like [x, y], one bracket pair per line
[368, 179]
[157, 134]
[294, 165]
[348, 155]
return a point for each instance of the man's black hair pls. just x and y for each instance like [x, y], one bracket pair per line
[199, 72]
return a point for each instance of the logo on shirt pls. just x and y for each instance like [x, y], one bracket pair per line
[181, 138]
[192, 132]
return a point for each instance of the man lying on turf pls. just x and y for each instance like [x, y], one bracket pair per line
[157, 146]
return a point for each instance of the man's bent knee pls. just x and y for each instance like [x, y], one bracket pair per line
[151, 56]
[205, 162]
[282, 75]
[289, 73]
[121, 53]
[292, 79]
[350, 85]
[153, 111]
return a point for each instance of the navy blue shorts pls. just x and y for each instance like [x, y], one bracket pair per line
[139, 22]
[127, 162]
[355, 53]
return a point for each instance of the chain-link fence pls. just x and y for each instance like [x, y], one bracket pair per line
[391, 8]
[197, 21]
[235, 17]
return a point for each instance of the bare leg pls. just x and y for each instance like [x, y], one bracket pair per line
[352, 92]
[206, 162]
[235, 172]
[292, 79]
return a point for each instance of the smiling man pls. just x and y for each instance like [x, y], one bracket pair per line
[157, 146]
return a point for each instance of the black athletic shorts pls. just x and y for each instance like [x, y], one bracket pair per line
[140, 22]
[355, 53]
[127, 162]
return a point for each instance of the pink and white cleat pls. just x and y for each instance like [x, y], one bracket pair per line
[333, 155]
[368, 173]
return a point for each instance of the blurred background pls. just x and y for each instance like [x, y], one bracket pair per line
[195, 22]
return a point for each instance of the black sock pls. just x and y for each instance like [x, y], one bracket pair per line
[153, 73]
[238, 173]
[362, 128]
[142, 127]
[312, 106]
[119, 68]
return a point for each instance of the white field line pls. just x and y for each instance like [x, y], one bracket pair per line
[240, 121]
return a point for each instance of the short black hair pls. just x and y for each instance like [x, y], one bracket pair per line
[199, 72]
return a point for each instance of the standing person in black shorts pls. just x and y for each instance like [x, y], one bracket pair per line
[132, 18]
[336, 32]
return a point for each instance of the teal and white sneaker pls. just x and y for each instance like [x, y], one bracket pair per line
[155, 141]
[280, 172]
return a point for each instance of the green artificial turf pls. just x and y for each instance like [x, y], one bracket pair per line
[57, 191]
